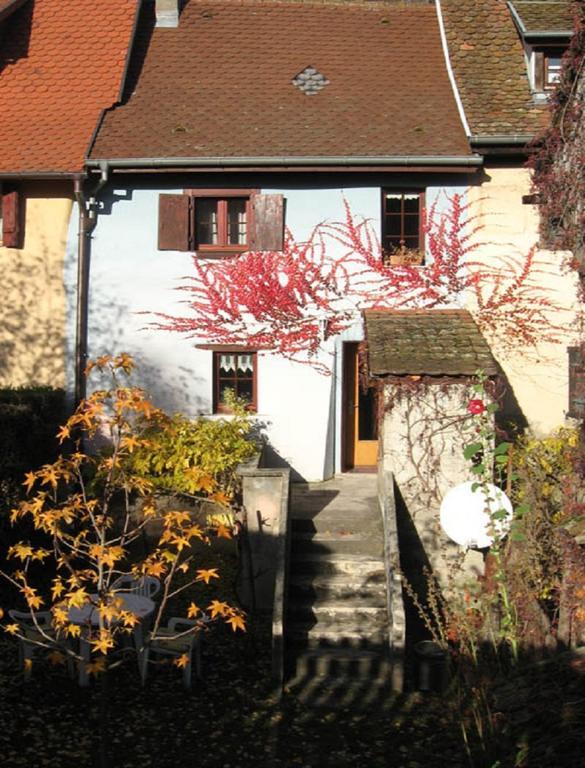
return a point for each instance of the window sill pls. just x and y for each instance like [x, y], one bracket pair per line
[220, 253]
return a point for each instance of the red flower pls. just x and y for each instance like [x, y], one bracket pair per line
[476, 407]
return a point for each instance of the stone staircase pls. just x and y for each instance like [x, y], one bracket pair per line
[337, 621]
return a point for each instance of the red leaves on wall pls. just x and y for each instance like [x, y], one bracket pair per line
[291, 301]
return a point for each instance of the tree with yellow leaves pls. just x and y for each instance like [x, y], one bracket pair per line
[92, 509]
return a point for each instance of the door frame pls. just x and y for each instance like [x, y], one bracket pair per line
[350, 352]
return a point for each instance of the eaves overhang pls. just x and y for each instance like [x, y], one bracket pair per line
[537, 35]
[7, 9]
[311, 161]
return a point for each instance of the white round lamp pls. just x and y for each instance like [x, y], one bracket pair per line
[465, 517]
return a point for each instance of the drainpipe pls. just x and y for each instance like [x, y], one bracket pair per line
[87, 223]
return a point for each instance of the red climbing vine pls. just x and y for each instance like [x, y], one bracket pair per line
[290, 302]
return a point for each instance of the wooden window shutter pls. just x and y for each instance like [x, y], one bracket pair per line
[11, 229]
[174, 223]
[539, 71]
[267, 223]
[576, 383]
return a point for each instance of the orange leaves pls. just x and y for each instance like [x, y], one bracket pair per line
[103, 643]
[21, 550]
[236, 622]
[29, 480]
[107, 556]
[77, 598]
[193, 611]
[181, 661]
[217, 608]
[12, 629]
[33, 600]
[207, 575]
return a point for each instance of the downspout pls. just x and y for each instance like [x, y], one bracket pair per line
[87, 223]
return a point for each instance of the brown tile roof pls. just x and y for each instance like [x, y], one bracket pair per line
[426, 342]
[220, 85]
[544, 16]
[61, 64]
[488, 62]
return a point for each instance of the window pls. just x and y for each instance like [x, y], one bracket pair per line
[216, 223]
[576, 383]
[234, 371]
[402, 232]
[547, 67]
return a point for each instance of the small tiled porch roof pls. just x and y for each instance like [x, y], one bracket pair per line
[224, 84]
[439, 342]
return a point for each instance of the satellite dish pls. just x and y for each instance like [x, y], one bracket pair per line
[465, 517]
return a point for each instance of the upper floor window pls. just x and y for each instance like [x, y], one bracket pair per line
[402, 226]
[546, 67]
[216, 223]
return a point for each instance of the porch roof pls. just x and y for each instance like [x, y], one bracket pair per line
[426, 342]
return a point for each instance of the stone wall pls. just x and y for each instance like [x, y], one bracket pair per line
[422, 446]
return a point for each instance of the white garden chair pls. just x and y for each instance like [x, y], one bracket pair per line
[147, 586]
[168, 644]
[34, 634]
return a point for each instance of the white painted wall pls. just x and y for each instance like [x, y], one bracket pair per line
[299, 407]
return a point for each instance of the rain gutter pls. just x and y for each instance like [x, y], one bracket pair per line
[517, 139]
[87, 222]
[313, 160]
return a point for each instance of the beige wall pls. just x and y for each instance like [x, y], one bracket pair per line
[537, 376]
[33, 307]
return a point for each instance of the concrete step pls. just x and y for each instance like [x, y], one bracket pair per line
[337, 544]
[347, 590]
[341, 692]
[339, 616]
[357, 565]
[309, 635]
[335, 662]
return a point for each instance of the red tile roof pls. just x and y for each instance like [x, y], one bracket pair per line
[61, 63]
[220, 85]
[488, 62]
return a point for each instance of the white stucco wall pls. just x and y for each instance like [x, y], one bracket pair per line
[300, 408]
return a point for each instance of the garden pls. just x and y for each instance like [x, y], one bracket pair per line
[159, 504]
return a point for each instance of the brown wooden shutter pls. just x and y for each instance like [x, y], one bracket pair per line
[267, 223]
[174, 223]
[539, 71]
[576, 383]
[11, 229]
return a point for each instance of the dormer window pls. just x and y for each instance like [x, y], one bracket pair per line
[547, 67]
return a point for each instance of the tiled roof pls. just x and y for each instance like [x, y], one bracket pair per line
[487, 56]
[544, 16]
[60, 65]
[426, 342]
[221, 85]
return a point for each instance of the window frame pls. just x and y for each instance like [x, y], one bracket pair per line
[217, 352]
[221, 249]
[401, 257]
[541, 55]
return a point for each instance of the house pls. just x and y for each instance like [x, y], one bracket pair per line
[60, 66]
[218, 157]
[189, 151]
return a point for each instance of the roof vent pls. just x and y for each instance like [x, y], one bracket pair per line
[167, 13]
[310, 81]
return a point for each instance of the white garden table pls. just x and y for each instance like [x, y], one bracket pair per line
[88, 616]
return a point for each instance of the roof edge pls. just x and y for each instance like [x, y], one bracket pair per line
[536, 34]
[502, 139]
[472, 160]
[10, 8]
[450, 73]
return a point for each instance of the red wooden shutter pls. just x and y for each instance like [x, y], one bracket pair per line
[174, 223]
[11, 230]
[267, 223]
[539, 71]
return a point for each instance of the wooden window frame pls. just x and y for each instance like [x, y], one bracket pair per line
[218, 407]
[221, 249]
[542, 54]
[397, 257]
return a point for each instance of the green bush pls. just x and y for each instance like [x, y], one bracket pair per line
[181, 451]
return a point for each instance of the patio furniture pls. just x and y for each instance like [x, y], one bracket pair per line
[147, 586]
[88, 616]
[171, 641]
[33, 634]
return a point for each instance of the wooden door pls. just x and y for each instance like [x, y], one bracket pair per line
[360, 432]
